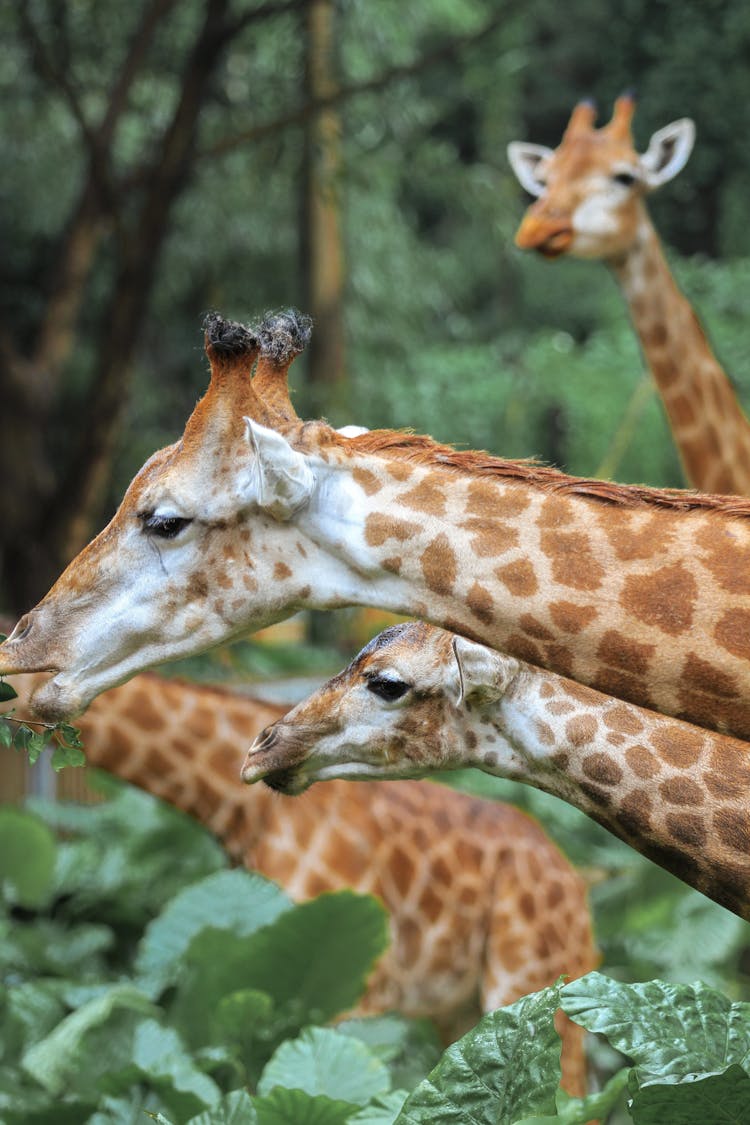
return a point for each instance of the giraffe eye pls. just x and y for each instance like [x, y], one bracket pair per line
[165, 527]
[627, 179]
[386, 688]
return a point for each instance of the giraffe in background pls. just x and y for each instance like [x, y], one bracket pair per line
[419, 699]
[590, 204]
[483, 906]
[253, 515]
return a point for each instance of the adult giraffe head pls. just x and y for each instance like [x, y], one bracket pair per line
[176, 571]
[590, 188]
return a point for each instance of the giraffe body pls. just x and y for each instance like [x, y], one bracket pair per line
[253, 515]
[591, 205]
[419, 699]
[483, 906]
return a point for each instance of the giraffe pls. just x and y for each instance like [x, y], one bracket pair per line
[590, 204]
[419, 699]
[254, 514]
[483, 906]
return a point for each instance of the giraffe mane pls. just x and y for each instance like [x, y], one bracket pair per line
[420, 449]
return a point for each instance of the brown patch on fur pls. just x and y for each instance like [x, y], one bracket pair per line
[603, 769]
[380, 527]
[524, 649]
[393, 564]
[733, 632]
[425, 497]
[439, 565]
[611, 681]
[490, 538]
[366, 480]
[560, 707]
[197, 587]
[544, 732]
[677, 744]
[481, 604]
[681, 791]
[281, 570]
[733, 829]
[727, 560]
[534, 627]
[623, 719]
[519, 577]
[571, 618]
[625, 653]
[581, 729]
[642, 762]
[701, 674]
[687, 828]
[634, 814]
[484, 500]
[663, 599]
[572, 560]
[399, 471]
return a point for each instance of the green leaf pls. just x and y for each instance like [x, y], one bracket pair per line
[321, 1061]
[722, 1099]
[313, 961]
[381, 1111]
[79, 1052]
[63, 756]
[6, 733]
[161, 1058]
[22, 738]
[295, 1107]
[506, 1068]
[670, 1031]
[70, 736]
[27, 857]
[6, 691]
[36, 746]
[410, 1048]
[580, 1111]
[240, 901]
[233, 1109]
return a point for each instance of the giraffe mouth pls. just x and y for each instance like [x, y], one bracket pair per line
[288, 782]
[556, 244]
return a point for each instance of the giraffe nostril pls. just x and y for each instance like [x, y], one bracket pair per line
[22, 629]
[265, 740]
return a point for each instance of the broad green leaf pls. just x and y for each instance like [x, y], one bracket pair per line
[161, 1058]
[63, 756]
[295, 1107]
[233, 1109]
[312, 961]
[579, 1111]
[6, 733]
[670, 1031]
[27, 857]
[381, 1111]
[79, 1050]
[238, 901]
[7, 692]
[31, 1010]
[506, 1068]
[410, 1048]
[321, 1061]
[722, 1099]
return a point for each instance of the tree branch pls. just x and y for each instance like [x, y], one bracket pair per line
[345, 92]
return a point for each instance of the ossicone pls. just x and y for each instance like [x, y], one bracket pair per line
[283, 335]
[227, 339]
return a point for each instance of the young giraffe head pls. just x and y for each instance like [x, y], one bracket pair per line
[399, 710]
[590, 188]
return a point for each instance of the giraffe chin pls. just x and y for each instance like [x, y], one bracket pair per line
[56, 701]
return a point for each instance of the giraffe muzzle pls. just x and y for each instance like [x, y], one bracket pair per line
[549, 237]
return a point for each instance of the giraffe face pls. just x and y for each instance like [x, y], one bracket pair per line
[589, 188]
[197, 553]
[403, 708]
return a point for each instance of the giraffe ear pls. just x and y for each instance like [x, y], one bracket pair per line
[480, 672]
[668, 152]
[280, 481]
[525, 160]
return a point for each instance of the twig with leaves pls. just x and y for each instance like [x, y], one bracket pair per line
[18, 733]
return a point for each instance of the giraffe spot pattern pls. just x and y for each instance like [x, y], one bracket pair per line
[733, 632]
[439, 565]
[366, 480]
[687, 828]
[681, 791]
[571, 618]
[678, 746]
[572, 559]
[424, 497]
[601, 768]
[490, 537]
[664, 599]
[281, 571]
[379, 527]
[519, 577]
[642, 762]
[623, 652]
[727, 559]
[481, 604]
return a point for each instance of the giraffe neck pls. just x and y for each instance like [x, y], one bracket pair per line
[183, 744]
[675, 793]
[709, 427]
[642, 602]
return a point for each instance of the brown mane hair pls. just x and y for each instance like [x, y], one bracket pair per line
[418, 449]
